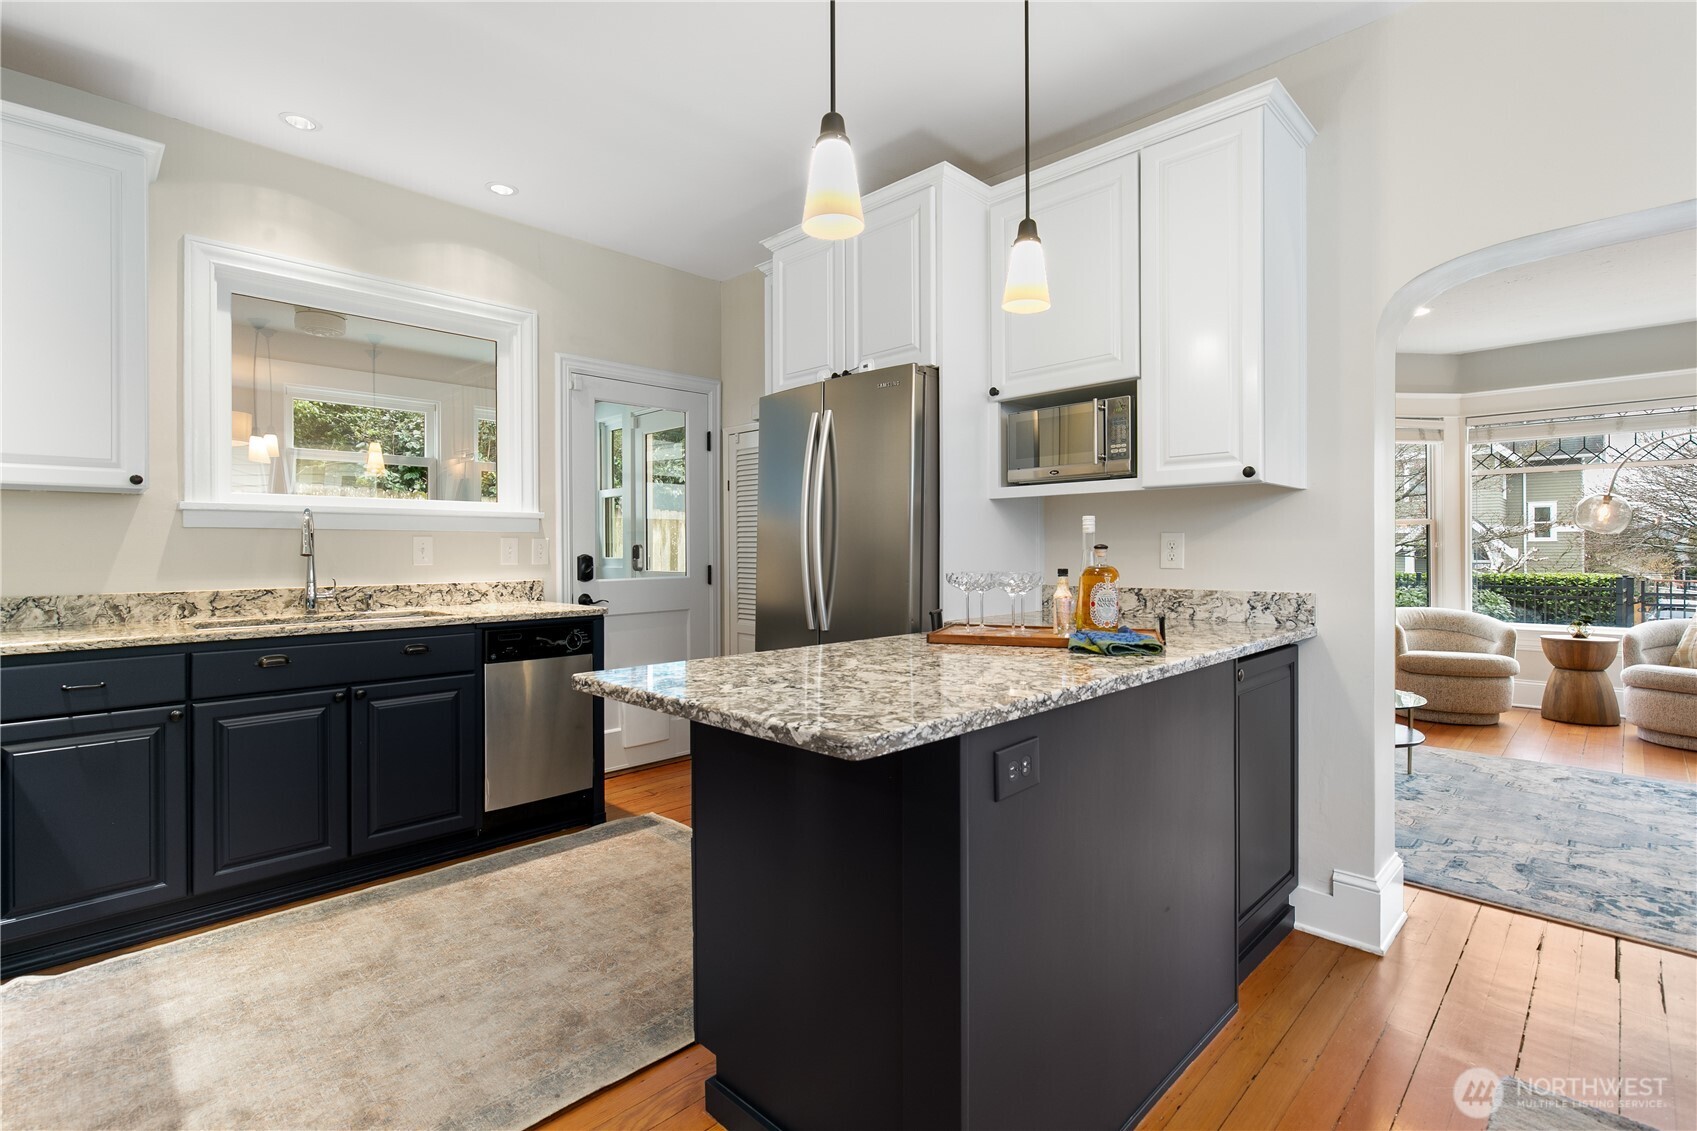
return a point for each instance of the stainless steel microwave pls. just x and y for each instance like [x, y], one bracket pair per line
[1085, 440]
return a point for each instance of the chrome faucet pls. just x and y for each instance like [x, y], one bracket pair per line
[309, 537]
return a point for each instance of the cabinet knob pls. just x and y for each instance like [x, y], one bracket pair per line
[175, 716]
[339, 697]
[1240, 675]
[136, 480]
[1249, 473]
[995, 392]
[360, 694]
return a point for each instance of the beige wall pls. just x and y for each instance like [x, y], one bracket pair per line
[1655, 349]
[742, 346]
[589, 301]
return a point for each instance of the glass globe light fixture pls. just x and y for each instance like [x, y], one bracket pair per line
[1603, 514]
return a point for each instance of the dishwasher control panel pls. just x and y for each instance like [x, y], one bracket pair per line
[513, 645]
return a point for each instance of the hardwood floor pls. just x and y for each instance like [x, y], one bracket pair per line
[1523, 733]
[1327, 1036]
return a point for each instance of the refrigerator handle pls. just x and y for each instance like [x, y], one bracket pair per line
[828, 585]
[818, 526]
[807, 519]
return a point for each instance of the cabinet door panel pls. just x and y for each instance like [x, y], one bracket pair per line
[807, 301]
[891, 299]
[95, 818]
[1200, 402]
[416, 763]
[271, 787]
[1089, 227]
[1266, 794]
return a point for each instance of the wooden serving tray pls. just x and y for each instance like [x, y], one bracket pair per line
[1005, 635]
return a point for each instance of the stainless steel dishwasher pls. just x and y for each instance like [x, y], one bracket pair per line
[538, 736]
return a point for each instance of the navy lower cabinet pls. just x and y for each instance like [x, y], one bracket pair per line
[417, 765]
[1266, 803]
[270, 787]
[95, 820]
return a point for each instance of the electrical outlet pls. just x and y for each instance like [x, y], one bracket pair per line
[539, 551]
[1016, 768]
[509, 551]
[423, 551]
[1172, 551]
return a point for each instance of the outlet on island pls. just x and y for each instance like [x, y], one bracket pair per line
[1016, 768]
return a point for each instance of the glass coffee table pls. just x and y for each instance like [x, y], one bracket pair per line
[1406, 736]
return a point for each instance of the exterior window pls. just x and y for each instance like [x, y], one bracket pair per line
[329, 443]
[1541, 522]
[1414, 524]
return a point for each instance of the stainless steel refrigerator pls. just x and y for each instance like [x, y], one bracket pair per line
[848, 509]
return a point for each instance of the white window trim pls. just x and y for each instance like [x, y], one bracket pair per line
[213, 272]
[1532, 522]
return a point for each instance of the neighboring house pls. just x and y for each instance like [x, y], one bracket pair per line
[1524, 522]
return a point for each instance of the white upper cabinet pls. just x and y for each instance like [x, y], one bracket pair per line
[73, 344]
[1087, 221]
[860, 303]
[1221, 398]
[891, 298]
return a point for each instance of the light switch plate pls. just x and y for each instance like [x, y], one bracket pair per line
[509, 551]
[1172, 551]
[424, 551]
[539, 551]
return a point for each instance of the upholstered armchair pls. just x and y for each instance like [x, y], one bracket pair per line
[1661, 700]
[1463, 663]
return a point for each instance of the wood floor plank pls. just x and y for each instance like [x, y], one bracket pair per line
[1573, 1022]
[593, 1111]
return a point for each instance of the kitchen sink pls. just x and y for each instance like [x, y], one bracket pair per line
[294, 620]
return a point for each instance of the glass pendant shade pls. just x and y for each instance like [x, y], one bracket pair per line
[832, 210]
[1027, 287]
[241, 426]
[374, 464]
[272, 448]
[1603, 514]
[257, 452]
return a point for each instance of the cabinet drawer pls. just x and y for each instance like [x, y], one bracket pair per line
[45, 690]
[286, 665]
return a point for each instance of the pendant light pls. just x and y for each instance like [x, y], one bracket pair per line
[257, 452]
[832, 209]
[374, 464]
[1027, 287]
[272, 448]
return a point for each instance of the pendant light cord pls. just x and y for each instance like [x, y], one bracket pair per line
[833, 56]
[1027, 108]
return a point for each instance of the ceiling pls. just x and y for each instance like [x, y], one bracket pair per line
[675, 132]
[1651, 282]
[403, 350]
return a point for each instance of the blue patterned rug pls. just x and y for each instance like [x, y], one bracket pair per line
[1614, 853]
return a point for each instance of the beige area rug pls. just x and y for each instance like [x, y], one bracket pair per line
[486, 994]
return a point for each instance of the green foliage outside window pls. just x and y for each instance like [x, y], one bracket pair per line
[335, 427]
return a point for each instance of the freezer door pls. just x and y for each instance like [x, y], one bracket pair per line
[783, 587]
[877, 529]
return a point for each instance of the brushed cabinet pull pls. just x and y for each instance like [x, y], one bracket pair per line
[271, 661]
[82, 686]
[1240, 675]
[416, 650]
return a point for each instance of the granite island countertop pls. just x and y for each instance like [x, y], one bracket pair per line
[867, 698]
[47, 639]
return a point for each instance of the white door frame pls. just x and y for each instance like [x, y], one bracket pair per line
[569, 369]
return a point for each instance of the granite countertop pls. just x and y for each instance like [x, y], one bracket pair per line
[868, 698]
[41, 639]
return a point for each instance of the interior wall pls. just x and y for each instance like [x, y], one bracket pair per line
[590, 301]
[1654, 349]
[1443, 128]
[742, 347]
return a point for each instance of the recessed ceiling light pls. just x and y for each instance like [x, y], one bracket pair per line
[299, 121]
[500, 189]
[1422, 311]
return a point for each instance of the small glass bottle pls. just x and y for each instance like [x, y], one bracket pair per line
[1062, 603]
[1099, 594]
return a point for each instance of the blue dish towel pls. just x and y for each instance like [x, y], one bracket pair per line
[1125, 642]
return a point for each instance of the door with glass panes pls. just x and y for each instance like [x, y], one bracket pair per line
[640, 484]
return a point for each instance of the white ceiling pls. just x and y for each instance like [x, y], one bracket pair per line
[1627, 286]
[677, 132]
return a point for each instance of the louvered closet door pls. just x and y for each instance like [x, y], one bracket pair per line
[742, 517]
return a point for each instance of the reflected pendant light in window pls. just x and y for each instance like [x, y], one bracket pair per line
[832, 208]
[1027, 288]
[374, 464]
[272, 448]
[256, 449]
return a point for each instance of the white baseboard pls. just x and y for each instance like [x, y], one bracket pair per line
[1364, 912]
[1529, 693]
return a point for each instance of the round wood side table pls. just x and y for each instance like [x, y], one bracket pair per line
[1579, 690]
